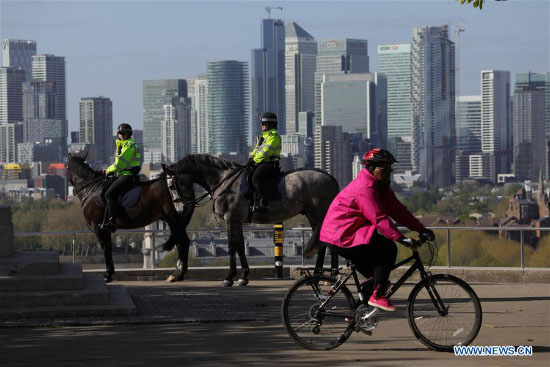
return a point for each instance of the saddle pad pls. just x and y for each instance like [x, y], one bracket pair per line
[131, 198]
[275, 186]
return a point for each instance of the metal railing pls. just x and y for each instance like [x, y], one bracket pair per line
[156, 232]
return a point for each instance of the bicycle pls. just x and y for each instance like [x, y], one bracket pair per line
[320, 312]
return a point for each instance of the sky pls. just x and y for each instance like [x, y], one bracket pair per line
[112, 46]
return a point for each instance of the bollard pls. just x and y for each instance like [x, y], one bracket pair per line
[278, 242]
[74, 248]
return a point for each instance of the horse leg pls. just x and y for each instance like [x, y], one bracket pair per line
[233, 237]
[314, 240]
[182, 263]
[179, 236]
[106, 244]
[239, 241]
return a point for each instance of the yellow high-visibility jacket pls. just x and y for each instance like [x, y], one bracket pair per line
[268, 147]
[126, 157]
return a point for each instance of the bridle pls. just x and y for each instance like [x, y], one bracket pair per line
[210, 192]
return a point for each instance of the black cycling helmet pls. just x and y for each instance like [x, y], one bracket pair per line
[124, 129]
[378, 156]
[270, 119]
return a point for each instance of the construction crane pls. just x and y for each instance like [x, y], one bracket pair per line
[268, 10]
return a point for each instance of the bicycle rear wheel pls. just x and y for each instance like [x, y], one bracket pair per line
[312, 325]
[444, 311]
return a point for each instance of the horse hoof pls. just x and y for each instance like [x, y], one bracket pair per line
[175, 278]
[242, 282]
[108, 277]
[227, 283]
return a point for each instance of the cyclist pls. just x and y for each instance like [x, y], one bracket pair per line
[359, 228]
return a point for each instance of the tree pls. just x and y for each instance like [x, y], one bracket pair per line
[477, 3]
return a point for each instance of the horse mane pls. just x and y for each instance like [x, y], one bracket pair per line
[192, 161]
[80, 168]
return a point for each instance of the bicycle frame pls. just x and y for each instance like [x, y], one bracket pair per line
[417, 265]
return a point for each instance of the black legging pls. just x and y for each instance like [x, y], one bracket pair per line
[373, 259]
[261, 175]
[120, 184]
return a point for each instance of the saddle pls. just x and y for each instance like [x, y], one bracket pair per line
[128, 198]
[274, 187]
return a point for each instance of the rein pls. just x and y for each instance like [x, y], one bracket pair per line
[210, 192]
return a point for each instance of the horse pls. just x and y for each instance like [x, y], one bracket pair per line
[155, 203]
[305, 191]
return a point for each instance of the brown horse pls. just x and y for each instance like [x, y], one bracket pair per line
[155, 203]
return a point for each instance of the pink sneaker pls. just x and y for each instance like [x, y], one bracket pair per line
[381, 302]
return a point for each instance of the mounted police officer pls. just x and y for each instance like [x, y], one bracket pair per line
[125, 169]
[265, 157]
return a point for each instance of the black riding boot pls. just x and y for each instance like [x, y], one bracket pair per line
[110, 225]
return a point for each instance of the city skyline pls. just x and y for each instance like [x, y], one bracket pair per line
[99, 58]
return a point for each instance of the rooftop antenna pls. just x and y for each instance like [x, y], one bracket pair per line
[268, 10]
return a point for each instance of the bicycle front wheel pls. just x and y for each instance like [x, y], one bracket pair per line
[312, 319]
[444, 311]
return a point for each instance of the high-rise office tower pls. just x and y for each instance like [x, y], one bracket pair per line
[50, 68]
[228, 95]
[332, 152]
[394, 60]
[468, 124]
[96, 128]
[267, 75]
[11, 94]
[300, 65]
[357, 102]
[156, 94]
[496, 125]
[19, 53]
[433, 104]
[40, 100]
[338, 56]
[198, 93]
[11, 134]
[529, 126]
[468, 133]
[176, 130]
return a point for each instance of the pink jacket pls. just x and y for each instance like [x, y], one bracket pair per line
[362, 207]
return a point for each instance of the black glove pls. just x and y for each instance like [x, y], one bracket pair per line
[410, 242]
[250, 162]
[427, 235]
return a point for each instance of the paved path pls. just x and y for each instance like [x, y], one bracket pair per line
[198, 323]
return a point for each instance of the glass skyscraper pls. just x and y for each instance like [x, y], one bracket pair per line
[357, 102]
[300, 64]
[529, 126]
[339, 56]
[394, 60]
[433, 104]
[267, 71]
[11, 94]
[50, 68]
[18, 54]
[156, 94]
[96, 128]
[228, 96]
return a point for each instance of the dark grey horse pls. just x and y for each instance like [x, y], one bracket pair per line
[307, 192]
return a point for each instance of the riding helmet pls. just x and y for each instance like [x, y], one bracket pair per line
[124, 129]
[270, 119]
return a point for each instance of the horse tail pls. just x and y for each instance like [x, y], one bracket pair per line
[313, 244]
